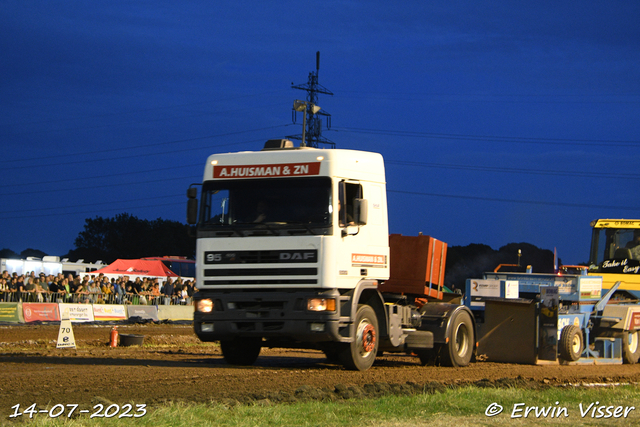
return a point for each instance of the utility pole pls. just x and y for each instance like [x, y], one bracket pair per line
[313, 132]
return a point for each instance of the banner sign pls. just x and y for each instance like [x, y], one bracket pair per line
[590, 287]
[267, 171]
[77, 312]
[175, 312]
[485, 288]
[109, 312]
[9, 312]
[43, 312]
[143, 311]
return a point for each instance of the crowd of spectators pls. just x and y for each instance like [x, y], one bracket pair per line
[94, 289]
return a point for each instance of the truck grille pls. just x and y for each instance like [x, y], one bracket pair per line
[230, 274]
[261, 257]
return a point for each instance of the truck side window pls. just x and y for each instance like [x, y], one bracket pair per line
[348, 192]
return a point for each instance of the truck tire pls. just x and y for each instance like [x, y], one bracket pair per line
[631, 347]
[241, 351]
[571, 343]
[458, 350]
[359, 354]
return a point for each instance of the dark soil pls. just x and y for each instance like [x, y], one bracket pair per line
[173, 365]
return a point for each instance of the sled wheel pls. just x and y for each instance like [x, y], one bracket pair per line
[571, 343]
[631, 347]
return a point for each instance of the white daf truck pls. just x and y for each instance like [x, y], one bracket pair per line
[293, 251]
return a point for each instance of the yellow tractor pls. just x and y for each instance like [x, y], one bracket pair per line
[615, 254]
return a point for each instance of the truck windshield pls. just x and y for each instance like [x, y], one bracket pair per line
[615, 250]
[272, 204]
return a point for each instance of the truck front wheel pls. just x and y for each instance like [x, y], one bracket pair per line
[361, 352]
[631, 347]
[459, 347]
[241, 351]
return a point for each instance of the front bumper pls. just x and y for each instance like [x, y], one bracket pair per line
[277, 316]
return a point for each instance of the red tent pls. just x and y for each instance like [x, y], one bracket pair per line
[136, 267]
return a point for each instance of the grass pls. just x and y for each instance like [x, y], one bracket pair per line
[454, 407]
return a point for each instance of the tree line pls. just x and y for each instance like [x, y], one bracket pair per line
[124, 236]
[473, 260]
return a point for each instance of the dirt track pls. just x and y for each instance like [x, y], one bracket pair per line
[174, 366]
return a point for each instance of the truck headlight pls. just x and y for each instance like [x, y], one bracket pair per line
[204, 305]
[321, 304]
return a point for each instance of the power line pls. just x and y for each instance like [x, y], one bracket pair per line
[528, 202]
[390, 162]
[132, 122]
[517, 170]
[93, 203]
[492, 138]
[497, 98]
[395, 133]
[93, 187]
[111, 175]
[178, 141]
[143, 110]
[463, 197]
[413, 193]
[92, 211]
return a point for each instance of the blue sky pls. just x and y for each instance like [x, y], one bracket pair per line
[500, 121]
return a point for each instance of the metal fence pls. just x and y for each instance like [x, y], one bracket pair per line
[92, 298]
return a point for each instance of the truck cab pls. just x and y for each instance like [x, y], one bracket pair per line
[286, 240]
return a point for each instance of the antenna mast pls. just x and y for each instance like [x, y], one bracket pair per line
[314, 122]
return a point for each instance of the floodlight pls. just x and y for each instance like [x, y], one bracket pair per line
[299, 105]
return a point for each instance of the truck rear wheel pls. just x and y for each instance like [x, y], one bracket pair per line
[631, 347]
[571, 343]
[361, 352]
[459, 347]
[241, 351]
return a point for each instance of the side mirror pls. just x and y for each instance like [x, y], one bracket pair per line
[360, 211]
[192, 206]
